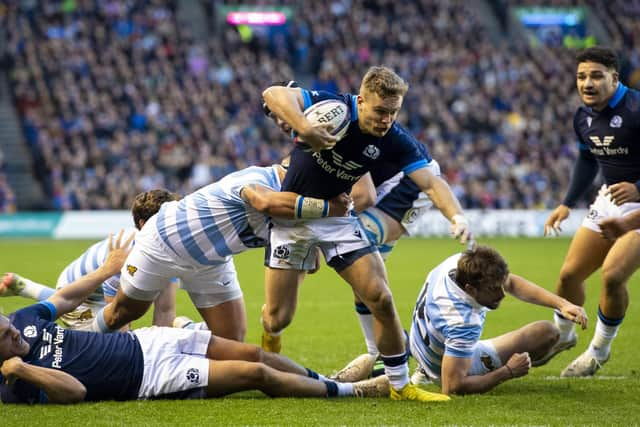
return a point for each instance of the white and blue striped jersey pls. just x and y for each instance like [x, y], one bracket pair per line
[89, 261]
[446, 320]
[213, 223]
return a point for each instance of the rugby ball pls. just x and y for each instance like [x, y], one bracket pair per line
[333, 112]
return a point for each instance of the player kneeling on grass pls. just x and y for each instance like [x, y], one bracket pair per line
[449, 317]
[42, 362]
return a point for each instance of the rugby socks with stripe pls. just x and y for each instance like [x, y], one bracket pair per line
[335, 389]
[566, 326]
[34, 290]
[366, 324]
[397, 369]
[606, 331]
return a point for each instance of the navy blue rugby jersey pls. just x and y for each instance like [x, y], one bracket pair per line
[110, 366]
[329, 173]
[612, 136]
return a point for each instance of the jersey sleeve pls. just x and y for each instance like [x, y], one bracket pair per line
[311, 97]
[409, 155]
[42, 310]
[460, 339]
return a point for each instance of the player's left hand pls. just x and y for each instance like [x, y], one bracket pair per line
[118, 252]
[623, 192]
[340, 205]
[10, 367]
[575, 313]
[460, 229]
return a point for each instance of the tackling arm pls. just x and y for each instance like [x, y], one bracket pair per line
[72, 295]
[59, 386]
[283, 203]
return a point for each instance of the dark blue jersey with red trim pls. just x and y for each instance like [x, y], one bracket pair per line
[329, 173]
[110, 366]
[612, 136]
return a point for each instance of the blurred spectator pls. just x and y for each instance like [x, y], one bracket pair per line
[116, 97]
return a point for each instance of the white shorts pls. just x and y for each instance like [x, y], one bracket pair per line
[292, 243]
[174, 360]
[151, 265]
[603, 208]
[485, 358]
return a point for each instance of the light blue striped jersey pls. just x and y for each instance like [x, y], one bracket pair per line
[214, 223]
[446, 319]
[89, 261]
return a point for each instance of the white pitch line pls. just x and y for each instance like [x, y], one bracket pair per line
[597, 377]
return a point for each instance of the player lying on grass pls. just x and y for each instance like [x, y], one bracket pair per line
[449, 317]
[42, 362]
[144, 206]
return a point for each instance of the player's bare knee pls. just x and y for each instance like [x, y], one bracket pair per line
[380, 301]
[278, 319]
[569, 278]
[548, 332]
[613, 278]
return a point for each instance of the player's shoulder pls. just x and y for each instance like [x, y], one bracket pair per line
[632, 101]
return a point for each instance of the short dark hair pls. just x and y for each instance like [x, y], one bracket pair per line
[147, 204]
[481, 267]
[599, 55]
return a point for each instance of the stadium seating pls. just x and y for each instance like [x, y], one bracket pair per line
[117, 97]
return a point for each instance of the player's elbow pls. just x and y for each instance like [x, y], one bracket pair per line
[74, 394]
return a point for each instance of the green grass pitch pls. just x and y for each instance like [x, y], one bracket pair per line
[325, 335]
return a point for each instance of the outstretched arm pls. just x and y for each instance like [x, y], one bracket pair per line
[59, 386]
[528, 291]
[285, 204]
[443, 198]
[72, 295]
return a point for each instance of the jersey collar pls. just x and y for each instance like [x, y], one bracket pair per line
[617, 96]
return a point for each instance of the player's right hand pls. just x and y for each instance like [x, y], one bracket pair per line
[340, 205]
[10, 367]
[317, 137]
[552, 225]
[519, 364]
[460, 229]
[118, 252]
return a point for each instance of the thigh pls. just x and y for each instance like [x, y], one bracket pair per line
[228, 320]
[281, 287]
[231, 376]
[586, 253]
[624, 256]
[367, 276]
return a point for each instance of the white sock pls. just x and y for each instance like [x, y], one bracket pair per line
[366, 324]
[399, 374]
[567, 327]
[34, 290]
[345, 389]
[602, 338]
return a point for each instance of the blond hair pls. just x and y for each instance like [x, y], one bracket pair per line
[384, 82]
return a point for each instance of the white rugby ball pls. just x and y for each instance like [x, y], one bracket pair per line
[333, 112]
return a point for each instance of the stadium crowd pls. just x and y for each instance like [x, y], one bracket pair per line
[117, 97]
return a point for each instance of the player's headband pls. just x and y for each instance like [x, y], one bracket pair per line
[290, 83]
